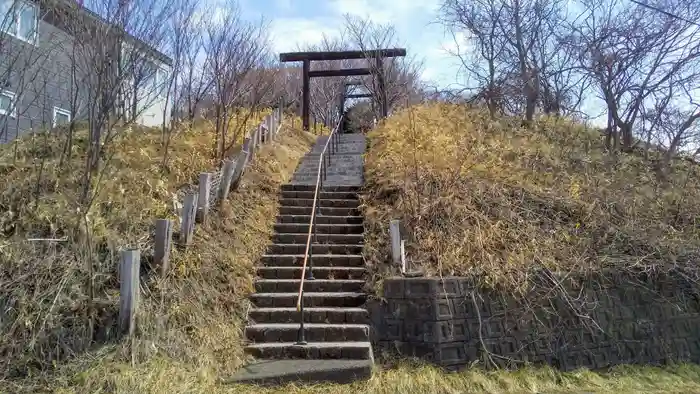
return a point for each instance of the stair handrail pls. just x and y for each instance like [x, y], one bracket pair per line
[333, 141]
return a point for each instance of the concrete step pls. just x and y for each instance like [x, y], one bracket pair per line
[326, 211]
[280, 372]
[313, 332]
[343, 147]
[319, 260]
[308, 202]
[288, 300]
[318, 146]
[315, 249]
[307, 172]
[312, 350]
[301, 238]
[335, 178]
[330, 181]
[312, 286]
[315, 158]
[320, 219]
[307, 188]
[318, 272]
[315, 153]
[320, 228]
[311, 315]
[322, 195]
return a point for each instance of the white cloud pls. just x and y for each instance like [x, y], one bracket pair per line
[411, 18]
[288, 34]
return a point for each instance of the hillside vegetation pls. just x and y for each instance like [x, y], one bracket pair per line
[492, 198]
[59, 284]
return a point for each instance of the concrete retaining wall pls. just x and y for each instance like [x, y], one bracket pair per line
[594, 322]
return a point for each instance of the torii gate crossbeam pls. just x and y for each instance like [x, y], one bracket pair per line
[308, 57]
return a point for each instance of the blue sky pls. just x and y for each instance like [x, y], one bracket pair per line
[299, 22]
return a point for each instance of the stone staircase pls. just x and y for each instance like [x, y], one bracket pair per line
[336, 323]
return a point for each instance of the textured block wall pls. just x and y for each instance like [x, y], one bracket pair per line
[594, 321]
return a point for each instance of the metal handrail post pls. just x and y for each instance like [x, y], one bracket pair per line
[325, 168]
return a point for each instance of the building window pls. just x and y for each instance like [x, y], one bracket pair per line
[7, 103]
[60, 116]
[19, 18]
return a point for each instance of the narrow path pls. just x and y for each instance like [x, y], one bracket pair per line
[336, 323]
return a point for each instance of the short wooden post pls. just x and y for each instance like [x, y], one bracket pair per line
[270, 122]
[129, 270]
[261, 134]
[163, 241]
[278, 124]
[226, 178]
[253, 144]
[395, 236]
[246, 146]
[203, 200]
[189, 209]
[240, 166]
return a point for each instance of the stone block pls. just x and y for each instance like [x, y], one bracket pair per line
[431, 287]
[510, 347]
[445, 331]
[493, 328]
[682, 351]
[395, 309]
[393, 288]
[413, 331]
[541, 344]
[408, 349]
[419, 309]
[576, 359]
[393, 330]
[516, 328]
[444, 309]
[462, 307]
[455, 353]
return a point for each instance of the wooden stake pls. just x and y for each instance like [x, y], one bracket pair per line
[129, 268]
[164, 237]
[395, 235]
[226, 178]
[189, 209]
[238, 171]
[203, 200]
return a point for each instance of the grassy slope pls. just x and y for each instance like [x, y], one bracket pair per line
[490, 197]
[192, 318]
[167, 376]
[45, 286]
[204, 306]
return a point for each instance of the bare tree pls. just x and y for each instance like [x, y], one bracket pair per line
[475, 25]
[185, 29]
[515, 55]
[395, 78]
[235, 49]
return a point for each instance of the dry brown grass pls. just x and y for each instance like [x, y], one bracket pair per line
[491, 198]
[194, 315]
[162, 375]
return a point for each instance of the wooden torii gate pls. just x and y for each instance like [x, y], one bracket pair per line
[308, 57]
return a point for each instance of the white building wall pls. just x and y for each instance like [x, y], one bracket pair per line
[151, 95]
[153, 109]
